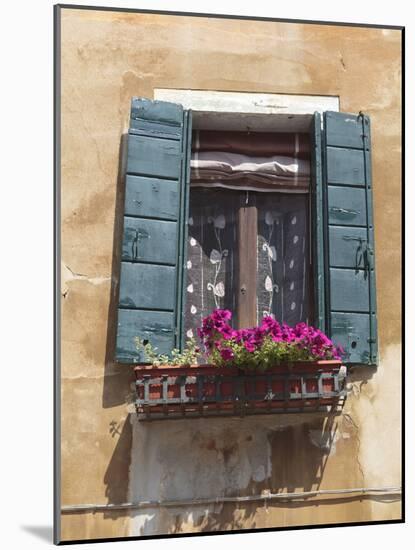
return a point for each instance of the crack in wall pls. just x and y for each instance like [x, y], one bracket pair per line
[350, 420]
[67, 275]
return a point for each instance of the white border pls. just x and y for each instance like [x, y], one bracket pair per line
[26, 275]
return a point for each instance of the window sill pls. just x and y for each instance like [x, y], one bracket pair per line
[206, 390]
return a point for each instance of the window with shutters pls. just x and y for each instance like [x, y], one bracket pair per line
[198, 234]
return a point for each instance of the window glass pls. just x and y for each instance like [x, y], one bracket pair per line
[283, 277]
[211, 254]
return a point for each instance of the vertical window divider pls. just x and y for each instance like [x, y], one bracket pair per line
[247, 233]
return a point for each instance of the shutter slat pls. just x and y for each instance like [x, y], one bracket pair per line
[155, 326]
[147, 286]
[346, 246]
[350, 331]
[145, 128]
[153, 156]
[348, 238]
[149, 240]
[347, 205]
[151, 197]
[343, 130]
[345, 166]
[154, 217]
[158, 112]
[349, 290]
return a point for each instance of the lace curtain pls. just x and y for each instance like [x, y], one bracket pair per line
[211, 255]
[283, 262]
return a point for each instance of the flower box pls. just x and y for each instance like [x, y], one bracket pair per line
[207, 390]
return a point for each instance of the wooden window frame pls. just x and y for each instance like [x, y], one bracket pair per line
[247, 231]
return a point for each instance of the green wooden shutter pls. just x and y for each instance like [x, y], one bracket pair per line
[350, 296]
[153, 242]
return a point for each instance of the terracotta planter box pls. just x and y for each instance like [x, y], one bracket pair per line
[205, 390]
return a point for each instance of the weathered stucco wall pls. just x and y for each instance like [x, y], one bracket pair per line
[107, 456]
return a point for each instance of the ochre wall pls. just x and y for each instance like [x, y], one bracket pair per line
[107, 456]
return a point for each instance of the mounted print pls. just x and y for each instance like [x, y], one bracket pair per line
[228, 208]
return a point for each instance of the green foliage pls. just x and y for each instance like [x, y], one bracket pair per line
[189, 355]
[270, 354]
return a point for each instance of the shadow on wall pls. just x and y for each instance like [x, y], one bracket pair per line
[117, 377]
[246, 515]
[214, 458]
[360, 375]
[116, 477]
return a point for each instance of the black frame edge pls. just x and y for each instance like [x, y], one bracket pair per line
[56, 273]
[231, 16]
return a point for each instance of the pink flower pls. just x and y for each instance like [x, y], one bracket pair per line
[227, 354]
[216, 333]
[249, 346]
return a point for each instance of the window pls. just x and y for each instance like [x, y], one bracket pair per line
[175, 234]
[248, 242]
